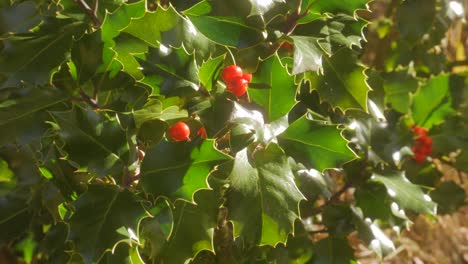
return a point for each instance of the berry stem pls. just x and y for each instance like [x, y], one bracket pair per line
[91, 13]
[231, 55]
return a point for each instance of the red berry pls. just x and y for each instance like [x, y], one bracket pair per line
[231, 72]
[247, 77]
[420, 131]
[426, 150]
[180, 131]
[427, 141]
[201, 132]
[419, 157]
[238, 86]
[287, 46]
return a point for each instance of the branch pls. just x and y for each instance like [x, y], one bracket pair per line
[88, 100]
[92, 13]
[334, 197]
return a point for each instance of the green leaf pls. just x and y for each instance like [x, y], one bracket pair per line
[398, 86]
[15, 218]
[99, 212]
[111, 27]
[313, 183]
[432, 102]
[179, 169]
[54, 244]
[333, 33]
[87, 56]
[18, 18]
[260, 7]
[333, 250]
[209, 71]
[280, 98]
[343, 83]
[449, 196]
[32, 58]
[93, 141]
[230, 31]
[348, 7]
[149, 27]
[51, 199]
[23, 119]
[173, 72]
[122, 253]
[7, 180]
[263, 201]
[415, 18]
[153, 110]
[404, 193]
[316, 144]
[27, 246]
[156, 230]
[307, 54]
[193, 227]
[371, 233]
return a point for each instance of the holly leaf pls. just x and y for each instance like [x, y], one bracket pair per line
[15, 218]
[371, 234]
[173, 72]
[32, 58]
[263, 201]
[398, 86]
[224, 30]
[153, 110]
[316, 144]
[111, 27]
[99, 213]
[415, 18]
[343, 83]
[193, 228]
[307, 54]
[122, 253]
[22, 119]
[348, 7]
[449, 196]
[432, 102]
[260, 7]
[280, 98]
[333, 33]
[179, 169]
[7, 179]
[404, 193]
[93, 141]
[333, 250]
[18, 18]
[209, 71]
[149, 27]
[155, 231]
[87, 56]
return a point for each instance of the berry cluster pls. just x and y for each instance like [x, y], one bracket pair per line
[422, 144]
[180, 131]
[236, 81]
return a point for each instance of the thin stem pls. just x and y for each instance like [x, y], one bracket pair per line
[95, 7]
[91, 13]
[88, 100]
[232, 56]
[334, 197]
[318, 231]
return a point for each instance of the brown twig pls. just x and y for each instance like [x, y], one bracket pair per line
[334, 197]
[89, 100]
[91, 13]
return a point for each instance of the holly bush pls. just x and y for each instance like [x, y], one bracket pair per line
[213, 131]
